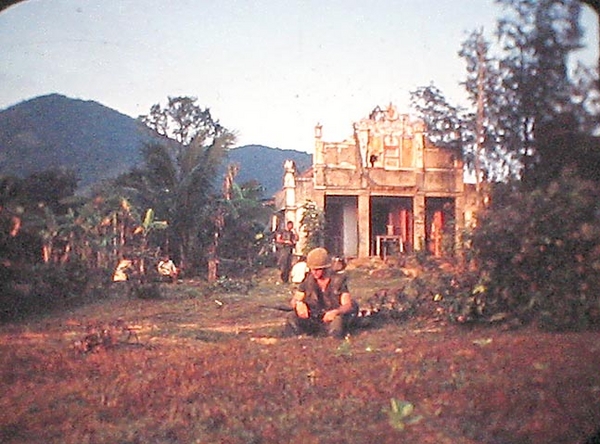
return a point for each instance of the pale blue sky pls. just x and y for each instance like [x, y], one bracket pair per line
[268, 69]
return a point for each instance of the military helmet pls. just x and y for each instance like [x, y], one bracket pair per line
[318, 258]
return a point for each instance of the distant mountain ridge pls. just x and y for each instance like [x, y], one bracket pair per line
[54, 131]
[97, 142]
[266, 165]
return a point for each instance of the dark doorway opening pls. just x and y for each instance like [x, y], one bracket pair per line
[341, 225]
[391, 217]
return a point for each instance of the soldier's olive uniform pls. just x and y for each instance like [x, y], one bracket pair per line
[319, 302]
[285, 253]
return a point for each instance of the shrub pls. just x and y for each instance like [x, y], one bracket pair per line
[439, 291]
[539, 252]
[40, 288]
[145, 291]
[313, 224]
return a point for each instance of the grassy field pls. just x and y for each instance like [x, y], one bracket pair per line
[198, 366]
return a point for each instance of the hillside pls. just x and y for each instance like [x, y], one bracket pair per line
[55, 131]
[266, 164]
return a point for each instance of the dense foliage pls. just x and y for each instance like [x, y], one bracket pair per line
[516, 86]
[42, 288]
[536, 247]
[51, 250]
[539, 253]
[57, 248]
[179, 179]
[312, 225]
[243, 242]
[178, 175]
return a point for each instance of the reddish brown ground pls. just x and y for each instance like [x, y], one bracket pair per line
[210, 373]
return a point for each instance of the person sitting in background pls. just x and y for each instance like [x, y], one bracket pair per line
[124, 267]
[167, 269]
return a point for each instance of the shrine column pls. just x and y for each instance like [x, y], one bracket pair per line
[364, 225]
[318, 154]
[289, 188]
[420, 229]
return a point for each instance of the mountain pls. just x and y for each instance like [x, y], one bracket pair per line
[54, 131]
[97, 142]
[266, 164]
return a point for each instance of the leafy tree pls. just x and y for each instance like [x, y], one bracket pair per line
[537, 38]
[50, 188]
[447, 125]
[515, 93]
[532, 121]
[182, 120]
[242, 240]
[178, 175]
[565, 149]
[483, 85]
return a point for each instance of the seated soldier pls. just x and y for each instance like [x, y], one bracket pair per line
[122, 271]
[167, 269]
[322, 302]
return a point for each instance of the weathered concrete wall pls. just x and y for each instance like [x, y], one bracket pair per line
[387, 155]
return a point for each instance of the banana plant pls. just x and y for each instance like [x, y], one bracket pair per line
[48, 233]
[148, 224]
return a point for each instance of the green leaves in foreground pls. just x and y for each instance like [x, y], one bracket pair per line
[400, 414]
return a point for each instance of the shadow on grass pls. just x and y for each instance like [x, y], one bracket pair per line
[213, 336]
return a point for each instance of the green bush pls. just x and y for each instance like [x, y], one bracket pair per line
[145, 291]
[40, 288]
[313, 225]
[539, 253]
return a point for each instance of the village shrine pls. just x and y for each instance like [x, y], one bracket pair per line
[384, 190]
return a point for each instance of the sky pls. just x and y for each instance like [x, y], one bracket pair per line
[270, 70]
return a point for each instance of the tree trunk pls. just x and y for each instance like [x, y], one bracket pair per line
[480, 116]
[46, 252]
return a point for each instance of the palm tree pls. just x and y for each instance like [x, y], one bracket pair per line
[179, 172]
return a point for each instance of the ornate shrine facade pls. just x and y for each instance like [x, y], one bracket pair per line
[383, 190]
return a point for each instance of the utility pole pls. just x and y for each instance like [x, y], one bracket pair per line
[480, 116]
[219, 220]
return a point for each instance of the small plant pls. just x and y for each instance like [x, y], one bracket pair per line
[344, 349]
[229, 285]
[400, 414]
[104, 336]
